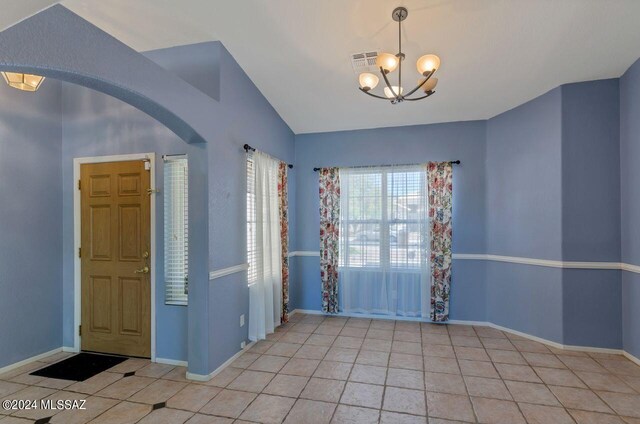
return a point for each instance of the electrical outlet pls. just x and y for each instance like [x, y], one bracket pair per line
[242, 345]
[242, 320]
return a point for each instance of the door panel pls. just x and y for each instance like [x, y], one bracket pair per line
[100, 232]
[129, 231]
[129, 185]
[100, 295]
[130, 307]
[116, 233]
[100, 186]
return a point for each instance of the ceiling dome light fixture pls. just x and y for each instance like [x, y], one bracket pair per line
[427, 65]
[24, 82]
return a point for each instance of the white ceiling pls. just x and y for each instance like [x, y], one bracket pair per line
[13, 11]
[496, 54]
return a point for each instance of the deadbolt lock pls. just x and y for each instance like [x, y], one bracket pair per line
[145, 255]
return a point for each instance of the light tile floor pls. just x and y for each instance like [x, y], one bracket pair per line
[339, 370]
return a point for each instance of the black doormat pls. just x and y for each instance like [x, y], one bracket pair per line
[80, 367]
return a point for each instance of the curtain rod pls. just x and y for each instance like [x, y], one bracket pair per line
[253, 149]
[453, 162]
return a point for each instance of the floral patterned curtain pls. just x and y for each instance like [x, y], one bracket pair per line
[440, 186]
[329, 237]
[283, 202]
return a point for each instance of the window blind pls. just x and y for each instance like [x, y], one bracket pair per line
[383, 217]
[176, 230]
[252, 256]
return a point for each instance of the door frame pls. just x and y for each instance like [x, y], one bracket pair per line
[77, 298]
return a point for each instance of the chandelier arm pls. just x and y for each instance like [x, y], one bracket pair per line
[420, 98]
[421, 84]
[371, 94]
[386, 80]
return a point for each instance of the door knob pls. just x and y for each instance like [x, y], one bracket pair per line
[144, 270]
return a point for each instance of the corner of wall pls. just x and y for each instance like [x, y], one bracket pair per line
[590, 182]
[630, 205]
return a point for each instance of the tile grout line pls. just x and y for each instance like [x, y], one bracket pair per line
[309, 378]
[455, 355]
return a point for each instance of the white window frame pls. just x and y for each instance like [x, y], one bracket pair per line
[384, 223]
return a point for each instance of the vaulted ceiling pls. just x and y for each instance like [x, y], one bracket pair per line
[496, 54]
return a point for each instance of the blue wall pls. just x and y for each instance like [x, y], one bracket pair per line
[591, 171]
[590, 212]
[524, 173]
[412, 144]
[30, 217]
[245, 117]
[73, 121]
[630, 204]
[552, 178]
[592, 308]
[524, 216]
[96, 124]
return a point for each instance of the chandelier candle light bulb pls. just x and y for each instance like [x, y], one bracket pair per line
[368, 81]
[387, 62]
[429, 85]
[390, 94]
[426, 65]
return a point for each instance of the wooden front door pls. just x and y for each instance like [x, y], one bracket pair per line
[115, 258]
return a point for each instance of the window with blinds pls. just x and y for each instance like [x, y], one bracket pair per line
[383, 217]
[252, 247]
[176, 230]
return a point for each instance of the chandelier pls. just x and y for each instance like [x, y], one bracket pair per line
[387, 63]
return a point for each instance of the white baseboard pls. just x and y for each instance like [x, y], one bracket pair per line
[18, 364]
[556, 344]
[71, 349]
[463, 322]
[353, 315]
[207, 377]
[631, 358]
[486, 324]
[171, 362]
